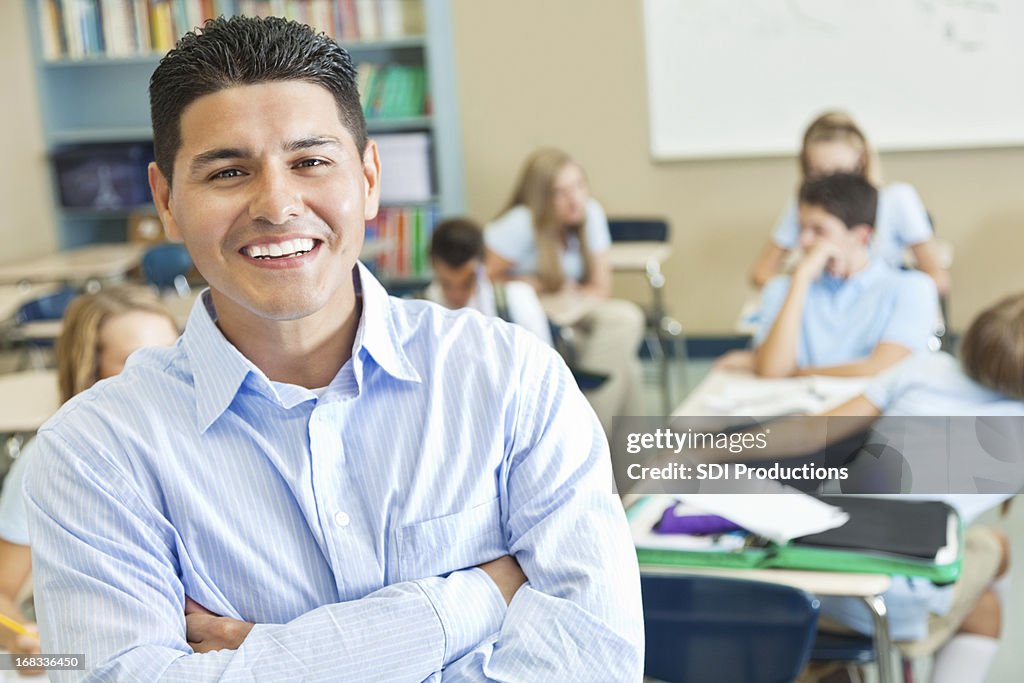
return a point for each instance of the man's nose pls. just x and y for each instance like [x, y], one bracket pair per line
[276, 198]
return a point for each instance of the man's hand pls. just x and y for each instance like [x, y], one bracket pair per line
[506, 573]
[206, 631]
[821, 257]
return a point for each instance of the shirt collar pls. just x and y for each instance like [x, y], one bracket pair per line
[379, 333]
[219, 369]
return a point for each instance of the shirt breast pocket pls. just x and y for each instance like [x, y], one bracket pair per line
[463, 539]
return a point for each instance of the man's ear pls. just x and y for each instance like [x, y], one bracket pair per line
[161, 190]
[863, 233]
[371, 177]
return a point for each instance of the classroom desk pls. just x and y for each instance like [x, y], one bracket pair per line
[93, 262]
[637, 256]
[27, 400]
[37, 330]
[732, 392]
[866, 587]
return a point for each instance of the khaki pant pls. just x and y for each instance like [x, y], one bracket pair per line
[608, 339]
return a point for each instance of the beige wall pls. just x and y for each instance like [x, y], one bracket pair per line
[571, 73]
[26, 221]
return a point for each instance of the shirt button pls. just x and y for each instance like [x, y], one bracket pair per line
[342, 519]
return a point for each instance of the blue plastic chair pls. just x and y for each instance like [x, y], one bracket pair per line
[702, 629]
[45, 308]
[49, 307]
[165, 267]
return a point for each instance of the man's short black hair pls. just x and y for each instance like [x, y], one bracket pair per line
[247, 51]
[456, 241]
[848, 197]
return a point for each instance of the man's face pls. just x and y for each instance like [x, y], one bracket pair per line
[458, 283]
[817, 225]
[270, 195]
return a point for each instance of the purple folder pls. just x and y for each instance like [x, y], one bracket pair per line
[694, 525]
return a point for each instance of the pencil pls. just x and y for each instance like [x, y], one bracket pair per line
[17, 627]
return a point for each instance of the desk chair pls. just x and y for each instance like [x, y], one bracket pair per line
[37, 325]
[664, 335]
[165, 266]
[702, 628]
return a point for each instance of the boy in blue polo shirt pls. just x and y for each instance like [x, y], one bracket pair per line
[839, 312]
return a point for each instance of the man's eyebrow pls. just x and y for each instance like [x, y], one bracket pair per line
[310, 142]
[210, 156]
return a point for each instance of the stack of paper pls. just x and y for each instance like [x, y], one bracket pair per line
[779, 517]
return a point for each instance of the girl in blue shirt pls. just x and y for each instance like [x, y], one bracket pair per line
[555, 236]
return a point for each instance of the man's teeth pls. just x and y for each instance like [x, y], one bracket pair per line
[287, 248]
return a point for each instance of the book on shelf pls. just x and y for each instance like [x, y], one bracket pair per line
[371, 20]
[404, 232]
[390, 91]
[79, 29]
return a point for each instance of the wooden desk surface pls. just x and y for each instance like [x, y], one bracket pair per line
[96, 261]
[27, 400]
[636, 255]
[820, 583]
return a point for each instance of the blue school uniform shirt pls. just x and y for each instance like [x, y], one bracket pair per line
[511, 236]
[901, 221]
[348, 526]
[934, 384]
[844, 319]
[926, 384]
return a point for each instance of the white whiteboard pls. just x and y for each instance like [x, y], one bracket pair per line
[744, 77]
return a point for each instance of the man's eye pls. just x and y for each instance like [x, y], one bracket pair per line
[226, 173]
[311, 163]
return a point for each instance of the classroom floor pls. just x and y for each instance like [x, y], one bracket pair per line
[1006, 668]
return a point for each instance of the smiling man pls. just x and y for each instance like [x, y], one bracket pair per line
[320, 482]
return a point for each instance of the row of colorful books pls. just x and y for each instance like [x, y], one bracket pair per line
[79, 29]
[393, 90]
[404, 233]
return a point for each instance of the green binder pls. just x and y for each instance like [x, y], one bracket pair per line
[759, 554]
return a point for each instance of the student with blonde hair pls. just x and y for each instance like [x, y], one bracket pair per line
[834, 143]
[99, 332]
[555, 236]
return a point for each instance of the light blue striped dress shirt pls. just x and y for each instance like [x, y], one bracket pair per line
[347, 527]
